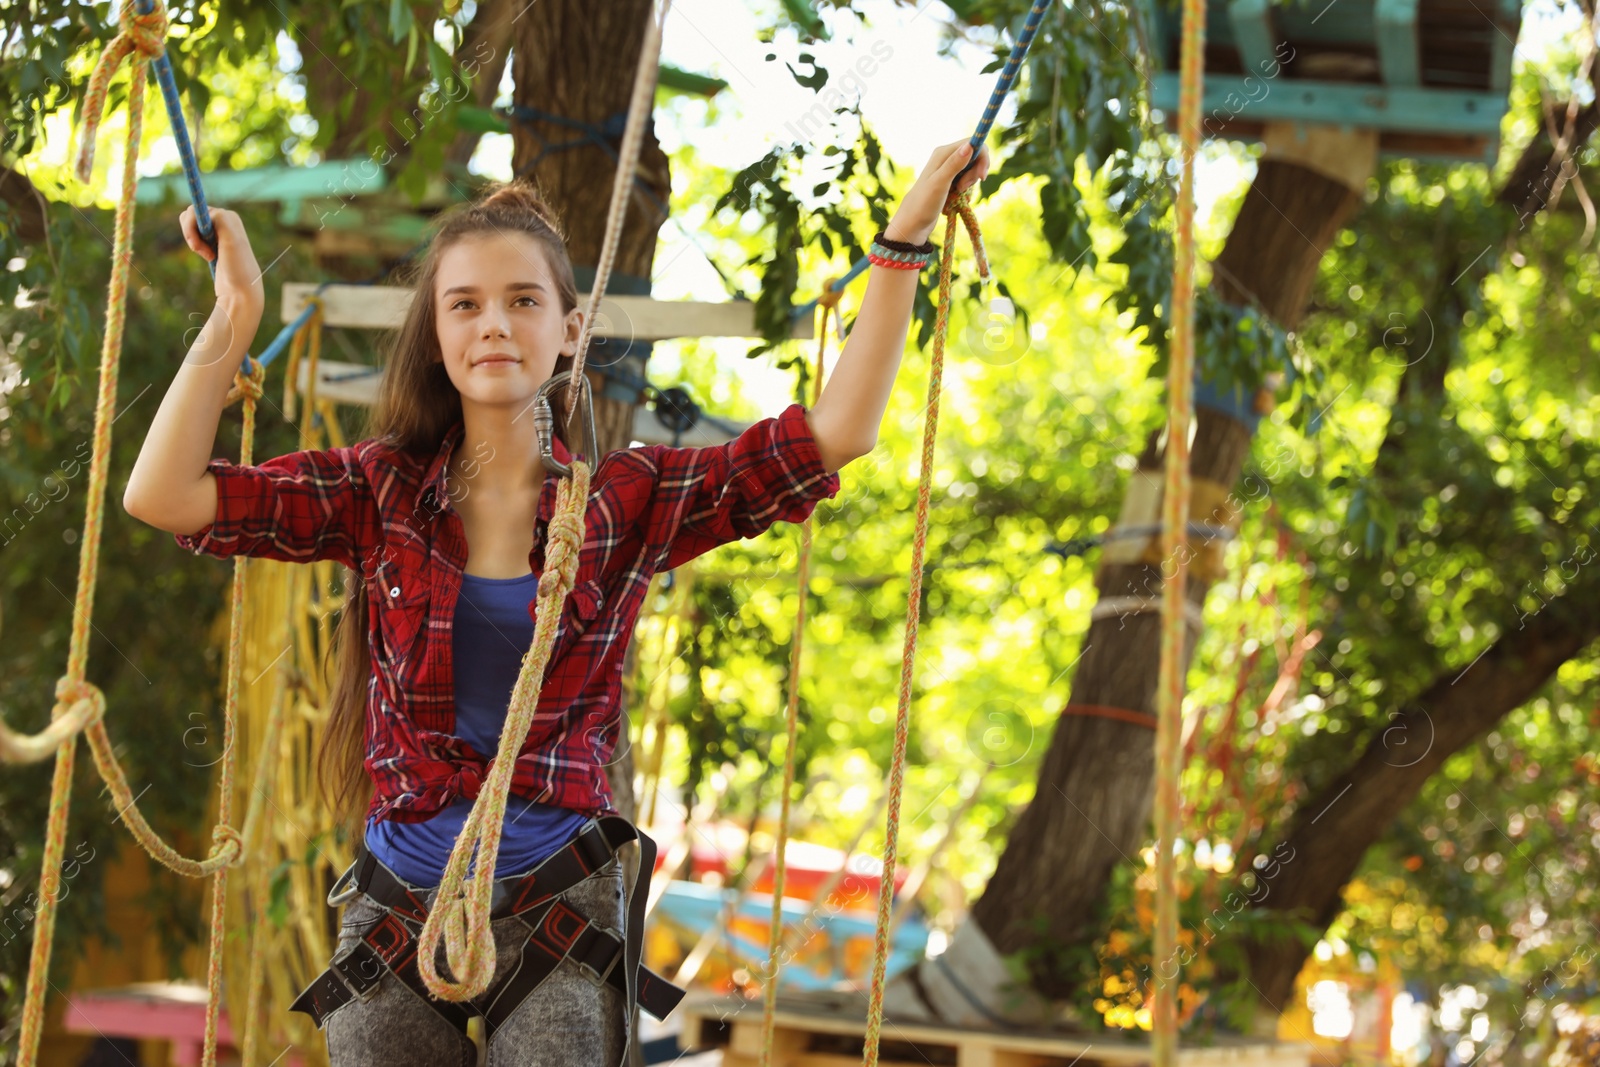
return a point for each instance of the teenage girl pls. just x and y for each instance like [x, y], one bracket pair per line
[441, 515]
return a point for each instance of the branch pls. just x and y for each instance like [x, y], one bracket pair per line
[27, 206]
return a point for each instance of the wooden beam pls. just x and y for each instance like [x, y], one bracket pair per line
[801, 1016]
[1447, 112]
[357, 383]
[1254, 36]
[335, 178]
[638, 318]
[1399, 56]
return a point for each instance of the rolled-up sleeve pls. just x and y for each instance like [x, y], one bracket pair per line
[772, 472]
[299, 507]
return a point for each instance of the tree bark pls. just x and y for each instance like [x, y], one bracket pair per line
[1093, 801]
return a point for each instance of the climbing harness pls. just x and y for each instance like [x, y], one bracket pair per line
[555, 932]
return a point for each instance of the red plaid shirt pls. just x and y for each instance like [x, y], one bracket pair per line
[378, 511]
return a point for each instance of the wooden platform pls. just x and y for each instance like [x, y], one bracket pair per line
[827, 1030]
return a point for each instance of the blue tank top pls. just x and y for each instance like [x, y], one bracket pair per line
[491, 632]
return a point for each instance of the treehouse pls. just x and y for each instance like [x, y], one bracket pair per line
[1430, 77]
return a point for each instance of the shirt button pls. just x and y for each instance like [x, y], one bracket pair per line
[395, 591]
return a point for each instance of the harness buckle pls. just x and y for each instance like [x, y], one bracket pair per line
[599, 944]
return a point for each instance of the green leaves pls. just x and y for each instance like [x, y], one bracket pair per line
[402, 24]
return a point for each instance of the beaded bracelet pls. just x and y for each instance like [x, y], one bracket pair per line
[900, 255]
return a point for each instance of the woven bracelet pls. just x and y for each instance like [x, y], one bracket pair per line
[899, 254]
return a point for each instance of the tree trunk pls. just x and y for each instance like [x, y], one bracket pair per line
[1093, 801]
[577, 60]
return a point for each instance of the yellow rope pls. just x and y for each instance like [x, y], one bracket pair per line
[79, 703]
[1174, 540]
[827, 305]
[460, 911]
[960, 209]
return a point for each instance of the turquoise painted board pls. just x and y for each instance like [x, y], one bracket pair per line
[836, 947]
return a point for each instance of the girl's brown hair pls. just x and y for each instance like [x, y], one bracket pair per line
[417, 405]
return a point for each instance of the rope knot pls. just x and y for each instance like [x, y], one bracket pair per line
[565, 534]
[146, 33]
[248, 381]
[228, 842]
[830, 296]
[71, 692]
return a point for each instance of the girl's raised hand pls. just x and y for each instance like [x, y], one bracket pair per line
[933, 192]
[238, 279]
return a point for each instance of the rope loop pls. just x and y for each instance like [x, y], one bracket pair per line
[78, 706]
[144, 34]
[962, 206]
[460, 914]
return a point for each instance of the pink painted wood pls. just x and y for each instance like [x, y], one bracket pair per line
[172, 1011]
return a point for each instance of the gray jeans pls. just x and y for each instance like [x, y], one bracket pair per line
[568, 1021]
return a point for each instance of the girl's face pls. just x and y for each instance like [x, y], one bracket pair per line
[501, 327]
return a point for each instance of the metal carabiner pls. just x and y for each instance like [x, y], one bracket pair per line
[544, 422]
[337, 896]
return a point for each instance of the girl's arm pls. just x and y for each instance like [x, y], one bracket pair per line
[846, 416]
[170, 487]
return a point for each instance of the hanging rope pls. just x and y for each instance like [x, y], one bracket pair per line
[460, 913]
[78, 702]
[1174, 541]
[644, 88]
[829, 305]
[960, 210]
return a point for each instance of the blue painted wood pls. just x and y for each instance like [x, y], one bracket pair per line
[1344, 62]
[1253, 33]
[1399, 57]
[1432, 111]
[339, 179]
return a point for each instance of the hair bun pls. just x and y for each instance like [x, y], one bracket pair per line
[521, 196]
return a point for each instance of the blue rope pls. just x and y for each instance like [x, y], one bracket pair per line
[180, 133]
[1008, 74]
